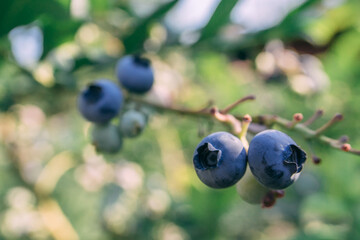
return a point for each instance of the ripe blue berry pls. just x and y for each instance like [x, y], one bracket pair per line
[106, 138]
[135, 74]
[132, 123]
[275, 159]
[220, 160]
[100, 101]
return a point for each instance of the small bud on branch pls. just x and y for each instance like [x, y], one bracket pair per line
[315, 159]
[297, 117]
[346, 147]
[344, 139]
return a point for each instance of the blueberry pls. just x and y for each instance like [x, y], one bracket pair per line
[106, 138]
[132, 123]
[135, 73]
[220, 160]
[100, 101]
[275, 159]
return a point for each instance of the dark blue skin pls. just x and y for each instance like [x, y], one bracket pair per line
[135, 74]
[220, 160]
[275, 159]
[100, 101]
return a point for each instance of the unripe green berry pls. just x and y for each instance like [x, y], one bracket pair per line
[132, 123]
[250, 190]
[106, 138]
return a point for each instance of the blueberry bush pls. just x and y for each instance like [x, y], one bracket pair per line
[179, 119]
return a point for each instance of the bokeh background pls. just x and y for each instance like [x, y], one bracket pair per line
[295, 56]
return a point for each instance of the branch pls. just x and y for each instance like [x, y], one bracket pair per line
[233, 105]
[314, 117]
[265, 120]
[308, 133]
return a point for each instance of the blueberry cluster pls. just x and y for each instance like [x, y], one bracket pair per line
[102, 101]
[274, 159]
[220, 159]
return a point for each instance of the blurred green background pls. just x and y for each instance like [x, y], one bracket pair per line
[295, 56]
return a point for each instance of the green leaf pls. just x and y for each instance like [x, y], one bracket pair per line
[56, 33]
[21, 12]
[135, 40]
[218, 19]
[99, 6]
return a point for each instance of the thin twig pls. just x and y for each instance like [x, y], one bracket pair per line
[337, 118]
[202, 112]
[314, 117]
[233, 105]
[308, 133]
[266, 120]
[227, 118]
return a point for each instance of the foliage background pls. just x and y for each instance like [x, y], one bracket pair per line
[294, 56]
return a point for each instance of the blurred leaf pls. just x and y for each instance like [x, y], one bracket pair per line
[95, 65]
[325, 216]
[322, 207]
[135, 40]
[65, 3]
[20, 12]
[82, 62]
[125, 6]
[218, 19]
[56, 33]
[322, 30]
[111, 193]
[99, 6]
[345, 56]
[291, 27]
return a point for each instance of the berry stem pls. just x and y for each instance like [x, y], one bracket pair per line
[245, 126]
